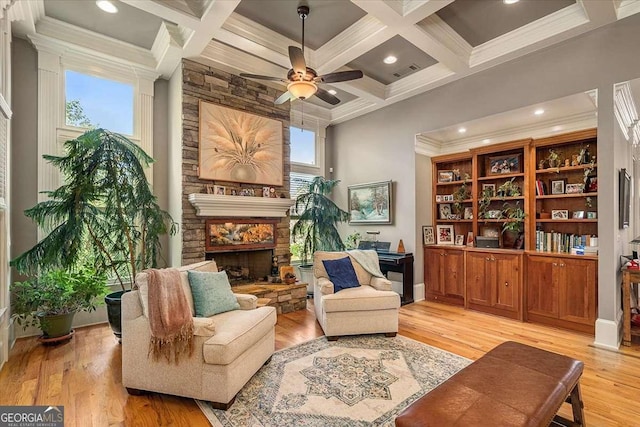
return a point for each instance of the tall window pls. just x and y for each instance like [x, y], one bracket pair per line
[92, 102]
[303, 146]
[304, 167]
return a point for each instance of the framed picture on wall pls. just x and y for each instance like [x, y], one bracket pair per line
[370, 203]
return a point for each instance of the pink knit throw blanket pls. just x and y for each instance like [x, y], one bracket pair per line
[169, 316]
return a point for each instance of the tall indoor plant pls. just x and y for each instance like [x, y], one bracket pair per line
[105, 212]
[319, 216]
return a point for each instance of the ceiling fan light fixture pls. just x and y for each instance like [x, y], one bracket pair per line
[302, 89]
[107, 6]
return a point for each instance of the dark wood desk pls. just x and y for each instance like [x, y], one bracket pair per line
[399, 263]
[628, 277]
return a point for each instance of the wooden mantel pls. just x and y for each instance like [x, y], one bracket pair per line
[239, 206]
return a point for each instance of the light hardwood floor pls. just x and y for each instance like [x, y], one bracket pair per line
[84, 375]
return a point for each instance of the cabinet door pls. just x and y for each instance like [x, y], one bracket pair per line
[453, 273]
[577, 290]
[478, 290]
[506, 288]
[542, 286]
[433, 261]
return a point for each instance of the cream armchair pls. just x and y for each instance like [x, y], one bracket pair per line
[223, 361]
[368, 309]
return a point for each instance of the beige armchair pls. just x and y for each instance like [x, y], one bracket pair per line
[368, 309]
[223, 361]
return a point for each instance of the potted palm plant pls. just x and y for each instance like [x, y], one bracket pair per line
[104, 212]
[316, 225]
[52, 299]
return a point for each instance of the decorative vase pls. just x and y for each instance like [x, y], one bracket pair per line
[114, 312]
[243, 173]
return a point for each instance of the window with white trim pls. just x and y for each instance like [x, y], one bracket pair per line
[93, 102]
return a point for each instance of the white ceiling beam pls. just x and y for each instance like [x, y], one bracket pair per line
[212, 19]
[181, 18]
[242, 43]
[628, 8]
[417, 10]
[599, 12]
[25, 15]
[167, 49]
[365, 34]
[456, 60]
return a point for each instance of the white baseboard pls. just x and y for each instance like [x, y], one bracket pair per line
[608, 334]
[418, 292]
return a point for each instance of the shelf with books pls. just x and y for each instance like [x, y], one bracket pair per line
[564, 195]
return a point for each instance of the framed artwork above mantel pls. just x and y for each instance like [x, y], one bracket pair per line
[236, 146]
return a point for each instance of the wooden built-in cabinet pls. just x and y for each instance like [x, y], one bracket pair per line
[532, 276]
[561, 291]
[444, 280]
[494, 282]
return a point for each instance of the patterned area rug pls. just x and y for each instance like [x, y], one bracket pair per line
[355, 381]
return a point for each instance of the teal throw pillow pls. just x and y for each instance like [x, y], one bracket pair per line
[341, 273]
[211, 293]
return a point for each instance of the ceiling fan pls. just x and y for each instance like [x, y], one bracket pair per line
[302, 80]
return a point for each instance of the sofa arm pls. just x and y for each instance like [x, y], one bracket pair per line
[204, 327]
[324, 285]
[246, 301]
[131, 307]
[380, 283]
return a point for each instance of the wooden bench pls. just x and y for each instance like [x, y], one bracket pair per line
[512, 385]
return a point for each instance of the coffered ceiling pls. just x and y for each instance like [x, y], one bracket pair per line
[435, 41]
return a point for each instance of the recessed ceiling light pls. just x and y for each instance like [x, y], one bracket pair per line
[462, 130]
[390, 59]
[510, 1]
[332, 91]
[539, 112]
[107, 6]
[486, 141]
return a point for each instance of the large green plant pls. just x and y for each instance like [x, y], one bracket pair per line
[105, 210]
[56, 292]
[316, 225]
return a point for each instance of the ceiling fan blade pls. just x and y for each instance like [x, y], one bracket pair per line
[258, 76]
[283, 98]
[327, 97]
[298, 63]
[340, 76]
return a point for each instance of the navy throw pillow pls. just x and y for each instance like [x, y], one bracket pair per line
[341, 273]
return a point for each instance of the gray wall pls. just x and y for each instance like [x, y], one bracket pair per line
[24, 147]
[161, 154]
[365, 151]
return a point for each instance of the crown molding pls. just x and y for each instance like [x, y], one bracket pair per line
[93, 44]
[166, 13]
[628, 8]
[625, 110]
[235, 60]
[440, 31]
[237, 206]
[25, 15]
[352, 109]
[418, 82]
[552, 28]
[538, 130]
[167, 48]
[427, 146]
[307, 112]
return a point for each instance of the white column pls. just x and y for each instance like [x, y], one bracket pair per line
[145, 104]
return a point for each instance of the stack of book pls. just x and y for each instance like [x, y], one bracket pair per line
[562, 242]
[541, 188]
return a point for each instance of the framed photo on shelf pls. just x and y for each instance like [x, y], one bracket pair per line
[470, 239]
[428, 238]
[445, 211]
[489, 231]
[592, 215]
[557, 186]
[219, 190]
[468, 212]
[500, 165]
[460, 240]
[574, 188]
[559, 214]
[490, 188]
[592, 184]
[444, 234]
[439, 198]
[578, 215]
[445, 176]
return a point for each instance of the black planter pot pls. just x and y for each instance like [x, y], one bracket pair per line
[114, 312]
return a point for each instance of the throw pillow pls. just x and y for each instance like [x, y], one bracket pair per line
[211, 293]
[341, 273]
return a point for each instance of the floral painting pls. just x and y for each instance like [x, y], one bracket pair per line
[240, 235]
[239, 147]
[370, 203]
